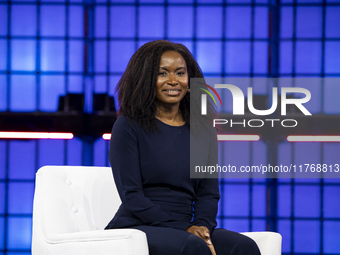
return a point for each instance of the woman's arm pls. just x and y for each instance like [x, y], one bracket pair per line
[124, 159]
[207, 193]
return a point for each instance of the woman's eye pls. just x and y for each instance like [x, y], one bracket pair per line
[162, 73]
[180, 73]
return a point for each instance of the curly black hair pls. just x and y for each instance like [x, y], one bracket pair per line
[137, 87]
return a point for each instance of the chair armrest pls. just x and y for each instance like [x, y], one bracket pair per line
[99, 242]
[269, 243]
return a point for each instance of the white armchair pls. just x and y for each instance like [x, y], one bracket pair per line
[73, 204]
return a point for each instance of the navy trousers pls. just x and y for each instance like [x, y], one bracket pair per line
[169, 241]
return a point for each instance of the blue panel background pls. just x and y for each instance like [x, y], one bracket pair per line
[331, 208]
[20, 197]
[22, 225]
[24, 20]
[180, 22]
[52, 20]
[154, 29]
[260, 57]
[331, 237]
[307, 27]
[258, 225]
[210, 1]
[100, 84]
[100, 21]
[238, 1]
[51, 88]
[23, 55]
[209, 22]
[3, 156]
[3, 93]
[122, 23]
[286, 22]
[309, 1]
[307, 236]
[237, 58]
[120, 54]
[23, 93]
[332, 18]
[332, 57]
[74, 152]
[151, 1]
[100, 56]
[51, 152]
[284, 204]
[284, 227]
[261, 22]
[3, 19]
[209, 55]
[76, 57]
[308, 57]
[2, 233]
[307, 201]
[100, 152]
[238, 22]
[237, 225]
[259, 201]
[236, 200]
[3, 55]
[75, 84]
[286, 57]
[2, 197]
[52, 55]
[76, 23]
[24, 168]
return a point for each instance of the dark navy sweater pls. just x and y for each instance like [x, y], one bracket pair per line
[152, 174]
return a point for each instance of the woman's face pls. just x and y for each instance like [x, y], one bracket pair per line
[172, 81]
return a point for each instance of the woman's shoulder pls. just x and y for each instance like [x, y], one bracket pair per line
[124, 124]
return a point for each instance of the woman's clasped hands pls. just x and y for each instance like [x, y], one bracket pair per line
[204, 233]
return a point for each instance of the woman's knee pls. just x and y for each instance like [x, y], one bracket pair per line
[229, 242]
[246, 245]
[195, 246]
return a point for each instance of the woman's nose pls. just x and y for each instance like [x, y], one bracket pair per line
[173, 79]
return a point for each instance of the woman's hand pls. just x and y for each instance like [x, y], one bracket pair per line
[202, 232]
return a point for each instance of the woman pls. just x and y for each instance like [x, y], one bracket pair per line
[150, 159]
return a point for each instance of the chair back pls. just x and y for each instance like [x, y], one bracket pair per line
[73, 198]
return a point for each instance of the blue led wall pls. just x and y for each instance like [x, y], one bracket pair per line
[53, 47]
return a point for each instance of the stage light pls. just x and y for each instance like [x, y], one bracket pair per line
[35, 135]
[106, 136]
[313, 138]
[221, 138]
[249, 138]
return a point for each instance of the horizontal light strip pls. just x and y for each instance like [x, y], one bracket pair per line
[35, 135]
[106, 136]
[219, 137]
[238, 137]
[313, 138]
